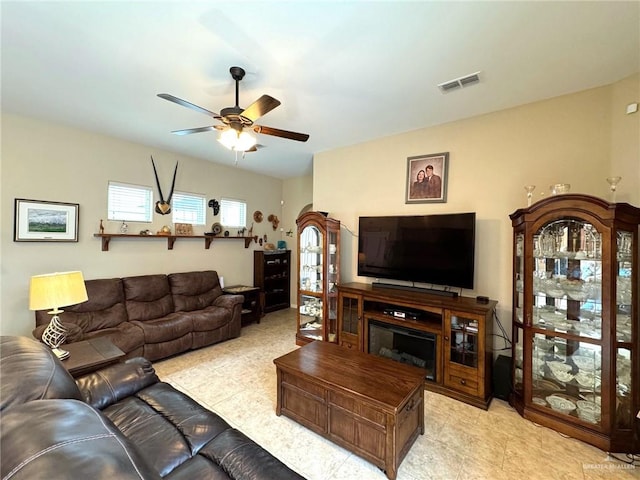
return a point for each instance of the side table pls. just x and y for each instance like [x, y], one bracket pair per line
[90, 355]
[252, 305]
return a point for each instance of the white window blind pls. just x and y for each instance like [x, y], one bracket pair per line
[233, 213]
[188, 208]
[133, 203]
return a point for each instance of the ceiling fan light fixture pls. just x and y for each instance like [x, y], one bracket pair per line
[237, 141]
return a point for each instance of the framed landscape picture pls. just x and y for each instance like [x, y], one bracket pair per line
[426, 180]
[42, 221]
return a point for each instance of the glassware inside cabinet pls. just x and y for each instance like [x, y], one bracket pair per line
[624, 289]
[311, 274]
[464, 341]
[567, 279]
[624, 412]
[333, 263]
[566, 377]
[311, 317]
[332, 332]
[518, 363]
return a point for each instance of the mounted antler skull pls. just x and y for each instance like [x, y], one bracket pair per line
[213, 203]
[164, 207]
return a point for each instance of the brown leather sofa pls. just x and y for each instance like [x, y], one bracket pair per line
[119, 422]
[153, 316]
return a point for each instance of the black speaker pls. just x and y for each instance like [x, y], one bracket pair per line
[502, 377]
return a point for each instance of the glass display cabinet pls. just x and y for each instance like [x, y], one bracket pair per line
[576, 343]
[318, 277]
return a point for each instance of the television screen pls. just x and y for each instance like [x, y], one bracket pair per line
[434, 249]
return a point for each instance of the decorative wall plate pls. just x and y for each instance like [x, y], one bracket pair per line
[257, 216]
[216, 228]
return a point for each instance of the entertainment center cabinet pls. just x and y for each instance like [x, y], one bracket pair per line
[448, 337]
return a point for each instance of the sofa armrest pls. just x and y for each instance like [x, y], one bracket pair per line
[109, 385]
[228, 301]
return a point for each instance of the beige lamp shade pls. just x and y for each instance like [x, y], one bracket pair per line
[55, 290]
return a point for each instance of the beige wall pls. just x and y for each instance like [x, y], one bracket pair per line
[45, 161]
[568, 139]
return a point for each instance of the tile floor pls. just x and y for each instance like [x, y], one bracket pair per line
[237, 380]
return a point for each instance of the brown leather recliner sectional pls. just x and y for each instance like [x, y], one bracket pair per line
[120, 422]
[153, 316]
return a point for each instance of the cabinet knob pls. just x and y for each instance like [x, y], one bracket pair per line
[463, 381]
[446, 339]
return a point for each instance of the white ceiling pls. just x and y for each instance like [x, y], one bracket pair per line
[345, 72]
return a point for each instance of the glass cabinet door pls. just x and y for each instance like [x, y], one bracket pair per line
[463, 341]
[567, 279]
[311, 241]
[624, 415]
[311, 317]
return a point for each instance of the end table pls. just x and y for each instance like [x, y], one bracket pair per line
[252, 305]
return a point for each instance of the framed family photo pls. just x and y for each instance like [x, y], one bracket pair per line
[42, 221]
[427, 178]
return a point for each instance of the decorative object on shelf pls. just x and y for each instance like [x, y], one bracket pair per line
[426, 180]
[215, 205]
[269, 246]
[124, 228]
[216, 228]
[101, 228]
[146, 232]
[257, 216]
[242, 231]
[226, 233]
[184, 229]
[559, 188]
[275, 221]
[613, 185]
[164, 231]
[164, 207]
[55, 290]
[282, 245]
[529, 189]
[43, 221]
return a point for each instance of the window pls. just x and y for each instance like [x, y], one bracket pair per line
[188, 208]
[233, 213]
[129, 202]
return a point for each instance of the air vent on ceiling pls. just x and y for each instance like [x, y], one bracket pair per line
[461, 82]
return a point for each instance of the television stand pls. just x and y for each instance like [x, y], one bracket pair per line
[452, 335]
[410, 288]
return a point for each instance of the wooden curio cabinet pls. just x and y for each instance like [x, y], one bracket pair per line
[318, 277]
[576, 344]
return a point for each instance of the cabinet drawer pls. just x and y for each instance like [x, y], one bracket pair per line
[462, 383]
[349, 344]
[309, 387]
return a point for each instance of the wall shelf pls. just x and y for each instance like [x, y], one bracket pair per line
[171, 239]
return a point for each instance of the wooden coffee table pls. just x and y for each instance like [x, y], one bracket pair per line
[372, 406]
[90, 355]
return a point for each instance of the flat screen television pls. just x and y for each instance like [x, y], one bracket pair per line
[433, 249]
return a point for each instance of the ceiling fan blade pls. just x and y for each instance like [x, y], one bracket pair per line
[187, 131]
[190, 105]
[300, 137]
[260, 107]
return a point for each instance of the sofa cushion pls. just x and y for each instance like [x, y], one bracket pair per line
[104, 309]
[147, 297]
[172, 326]
[115, 382]
[126, 336]
[194, 290]
[180, 426]
[66, 439]
[24, 357]
[210, 318]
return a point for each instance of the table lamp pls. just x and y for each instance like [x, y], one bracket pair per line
[55, 290]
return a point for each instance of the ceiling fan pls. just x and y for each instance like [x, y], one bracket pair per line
[235, 119]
